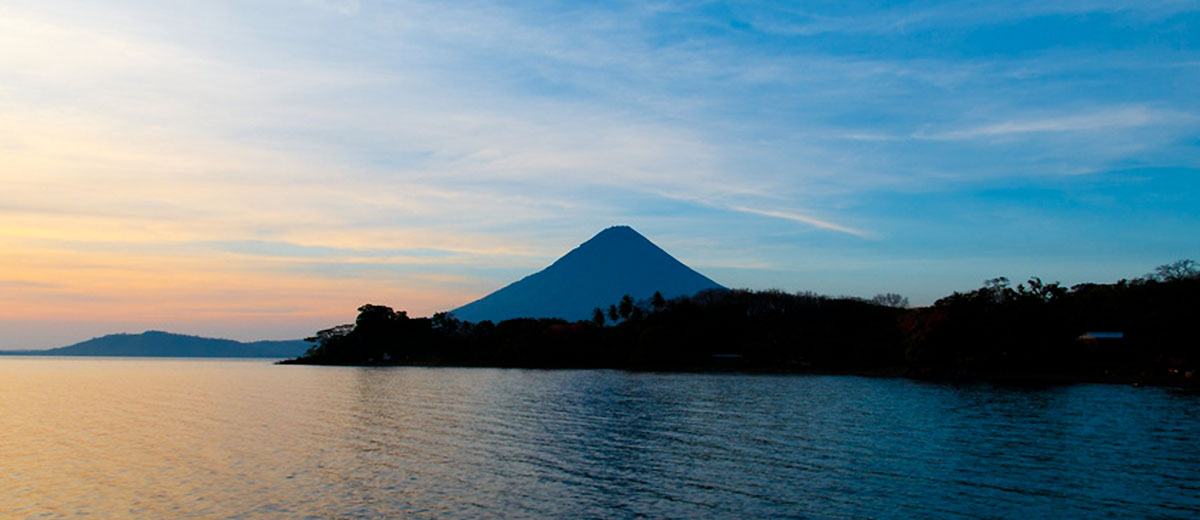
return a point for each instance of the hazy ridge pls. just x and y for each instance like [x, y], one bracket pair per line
[156, 343]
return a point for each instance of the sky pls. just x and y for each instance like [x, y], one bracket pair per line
[259, 169]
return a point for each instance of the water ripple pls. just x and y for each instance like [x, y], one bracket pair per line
[140, 438]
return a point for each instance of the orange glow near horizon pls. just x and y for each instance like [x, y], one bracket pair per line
[145, 285]
[53, 282]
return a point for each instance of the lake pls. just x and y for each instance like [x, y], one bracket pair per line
[176, 438]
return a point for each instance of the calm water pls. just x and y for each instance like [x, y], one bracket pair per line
[118, 438]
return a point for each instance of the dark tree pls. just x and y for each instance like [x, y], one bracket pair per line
[1177, 270]
[625, 308]
[331, 333]
[328, 340]
[446, 322]
[1042, 291]
[376, 330]
[657, 301]
[890, 300]
[613, 315]
[373, 314]
[598, 317]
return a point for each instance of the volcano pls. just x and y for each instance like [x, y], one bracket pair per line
[615, 262]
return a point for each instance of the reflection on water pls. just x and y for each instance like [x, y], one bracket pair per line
[246, 439]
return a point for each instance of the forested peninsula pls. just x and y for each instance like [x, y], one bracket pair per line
[1139, 331]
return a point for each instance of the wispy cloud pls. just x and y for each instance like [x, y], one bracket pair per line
[939, 15]
[27, 284]
[804, 220]
[1091, 121]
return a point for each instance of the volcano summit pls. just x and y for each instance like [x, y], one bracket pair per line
[615, 262]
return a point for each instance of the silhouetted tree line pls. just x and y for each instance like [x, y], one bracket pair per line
[1141, 329]
[998, 330]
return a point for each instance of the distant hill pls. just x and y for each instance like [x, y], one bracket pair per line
[615, 262]
[165, 344]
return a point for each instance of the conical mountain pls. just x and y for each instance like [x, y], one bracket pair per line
[615, 262]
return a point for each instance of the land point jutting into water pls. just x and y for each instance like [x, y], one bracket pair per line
[1139, 330]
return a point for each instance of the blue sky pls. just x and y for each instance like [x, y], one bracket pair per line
[164, 159]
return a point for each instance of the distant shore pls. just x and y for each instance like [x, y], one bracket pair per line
[154, 343]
